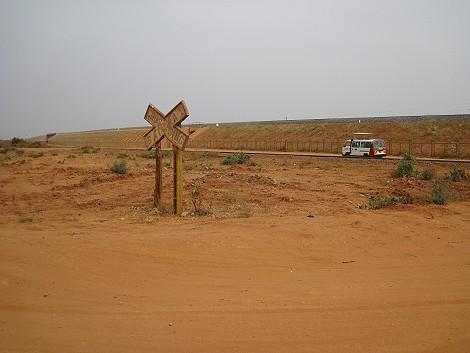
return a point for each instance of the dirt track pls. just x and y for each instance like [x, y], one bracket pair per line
[285, 261]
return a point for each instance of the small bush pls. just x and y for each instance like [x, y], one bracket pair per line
[14, 149]
[36, 155]
[458, 175]
[119, 167]
[35, 144]
[230, 160]
[236, 158]
[196, 199]
[428, 174]
[405, 167]
[408, 157]
[152, 154]
[25, 219]
[388, 201]
[149, 154]
[440, 194]
[89, 149]
[16, 141]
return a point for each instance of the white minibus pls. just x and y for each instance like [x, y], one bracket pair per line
[364, 148]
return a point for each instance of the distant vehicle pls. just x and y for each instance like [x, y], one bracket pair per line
[364, 148]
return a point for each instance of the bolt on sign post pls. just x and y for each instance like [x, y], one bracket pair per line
[168, 126]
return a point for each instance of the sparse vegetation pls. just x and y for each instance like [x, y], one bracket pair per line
[36, 154]
[19, 142]
[440, 193]
[16, 141]
[18, 152]
[25, 219]
[458, 174]
[89, 149]
[152, 154]
[197, 201]
[388, 201]
[428, 174]
[119, 167]
[405, 167]
[35, 144]
[230, 195]
[84, 183]
[149, 154]
[236, 158]
[206, 154]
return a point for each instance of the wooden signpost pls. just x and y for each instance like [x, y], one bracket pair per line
[168, 126]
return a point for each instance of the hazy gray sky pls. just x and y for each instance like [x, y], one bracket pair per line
[89, 64]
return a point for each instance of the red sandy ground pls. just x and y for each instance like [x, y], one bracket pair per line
[285, 261]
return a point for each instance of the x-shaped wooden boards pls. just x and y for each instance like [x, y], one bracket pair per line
[166, 126]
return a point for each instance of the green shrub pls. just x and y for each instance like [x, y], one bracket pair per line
[152, 154]
[89, 149]
[16, 141]
[25, 219]
[35, 144]
[8, 149]
[440, 194]
[236, 158]
[388, 201]
[428, 174]
[119, 167]
[405, 167]
[36, 155]
[408, 157]
[149, 154]
[231, 159]
[458, 175]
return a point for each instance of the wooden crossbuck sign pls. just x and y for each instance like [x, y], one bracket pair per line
[166, 126]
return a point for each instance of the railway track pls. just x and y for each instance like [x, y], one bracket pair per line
[290, 153]
[324, 155]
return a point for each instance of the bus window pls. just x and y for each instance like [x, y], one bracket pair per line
[379, 144]
[356, 144]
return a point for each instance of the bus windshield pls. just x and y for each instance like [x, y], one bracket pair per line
[379, 143]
